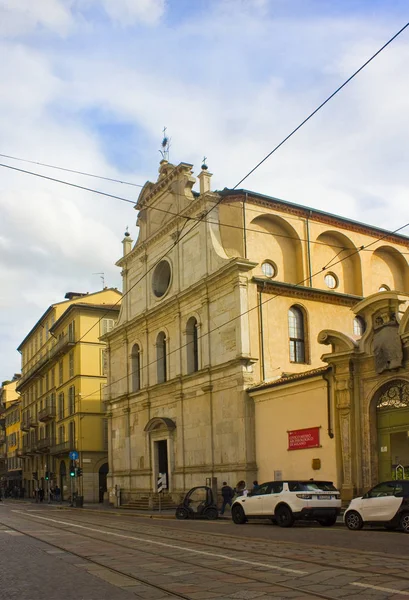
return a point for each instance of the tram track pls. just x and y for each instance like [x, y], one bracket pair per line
[276, 586]
[223, 544]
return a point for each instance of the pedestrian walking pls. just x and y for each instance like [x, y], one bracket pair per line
[241, 488]
[41, 494]
[255, 487]
[227, 494]
[57, 494]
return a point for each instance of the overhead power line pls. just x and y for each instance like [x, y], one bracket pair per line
[207, 333]
[314, 112]
[180, 237]
[35, 162]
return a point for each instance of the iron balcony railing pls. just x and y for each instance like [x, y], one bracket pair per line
[47, 413]
[45, 444]
[62, 448]
[62, 344]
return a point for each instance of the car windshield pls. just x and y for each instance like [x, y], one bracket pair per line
[322, 486]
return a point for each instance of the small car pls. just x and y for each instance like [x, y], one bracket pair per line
[284, 502]
[386, 504]
[198, 503]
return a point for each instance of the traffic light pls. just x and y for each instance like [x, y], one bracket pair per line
[79, 472]
[35, 475]
[47, 476]
[72, 470]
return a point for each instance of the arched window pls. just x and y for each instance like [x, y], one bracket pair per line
[136, 368]
[192, 348]
[161, 357]
[296, 332]
[359, 326]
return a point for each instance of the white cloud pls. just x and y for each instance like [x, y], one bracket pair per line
[19, 17]
[129, 12]
[229, 82]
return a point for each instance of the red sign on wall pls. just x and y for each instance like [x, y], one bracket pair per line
[304, 438]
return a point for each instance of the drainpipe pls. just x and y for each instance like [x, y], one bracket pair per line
[327, 378]
[244, 226]
[261, 333]
[309, 249]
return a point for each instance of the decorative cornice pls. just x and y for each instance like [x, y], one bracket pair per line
[306, 293]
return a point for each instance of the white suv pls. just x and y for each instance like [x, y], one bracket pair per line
[385, 504]
[285, 502]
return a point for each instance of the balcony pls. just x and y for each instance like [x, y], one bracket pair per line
[20, 452]
[45, 444]
[65, 342]
[48, 413]
[33, 422]
[25, 425]
[62, 448]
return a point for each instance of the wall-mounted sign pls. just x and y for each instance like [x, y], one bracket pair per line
[299, 439]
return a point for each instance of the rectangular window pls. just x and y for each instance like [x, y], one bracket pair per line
[47, 381]
[60, 372]
[61, 406]
[35, 345]
[40, 338]
[61, 435]
[41, 386]
[71, 365]
[53, 377]
[71, 332]
[71, 400]
[47, 332]
[107, 325]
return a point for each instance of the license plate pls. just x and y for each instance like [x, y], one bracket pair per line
[325, 497]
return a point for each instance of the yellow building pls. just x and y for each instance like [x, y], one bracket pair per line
[63, 374]
[235, 288]
[10, 461]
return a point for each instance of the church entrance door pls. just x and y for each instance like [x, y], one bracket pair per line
[392, 411]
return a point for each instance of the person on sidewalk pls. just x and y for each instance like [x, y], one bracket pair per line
[227, 494]
[57, 494]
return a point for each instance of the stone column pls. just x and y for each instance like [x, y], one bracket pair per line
[343, 403]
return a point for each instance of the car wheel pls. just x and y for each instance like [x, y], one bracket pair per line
[328, 522]
[404, 522]
[353, 520]
[182, 513]
[238, 515]
[284, 516]
[211, 514]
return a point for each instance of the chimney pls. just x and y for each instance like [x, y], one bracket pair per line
[72, 295]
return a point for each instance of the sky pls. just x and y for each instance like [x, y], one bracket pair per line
[90, 84]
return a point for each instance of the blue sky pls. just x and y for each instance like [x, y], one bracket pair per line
[89, 84]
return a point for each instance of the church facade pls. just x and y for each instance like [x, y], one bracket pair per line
[223, 292]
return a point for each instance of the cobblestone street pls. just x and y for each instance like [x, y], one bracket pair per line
[85, 554]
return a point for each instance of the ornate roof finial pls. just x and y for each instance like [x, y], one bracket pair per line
[127, 234]
[165, 145]
[204, 165]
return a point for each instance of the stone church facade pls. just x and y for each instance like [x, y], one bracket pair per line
[223, 291]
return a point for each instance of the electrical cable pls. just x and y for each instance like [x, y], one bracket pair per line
[314, 112]
[256, 307]
[34, 162]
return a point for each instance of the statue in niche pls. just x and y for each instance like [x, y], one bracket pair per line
[387, 343]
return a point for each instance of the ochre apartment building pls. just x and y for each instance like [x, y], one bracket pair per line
[226, 291]
[61, 388]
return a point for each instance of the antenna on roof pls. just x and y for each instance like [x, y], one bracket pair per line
[165, 145]
[102, 275]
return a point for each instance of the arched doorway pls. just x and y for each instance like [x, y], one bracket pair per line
[392, 420]
[102, 481]
[63, 478]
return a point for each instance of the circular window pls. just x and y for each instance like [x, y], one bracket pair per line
[331, 281]
[384, 288]
[161, 278]
[269, 269]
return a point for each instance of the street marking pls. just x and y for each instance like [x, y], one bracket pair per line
[156, 543]
[380, 588]
[11, 532]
